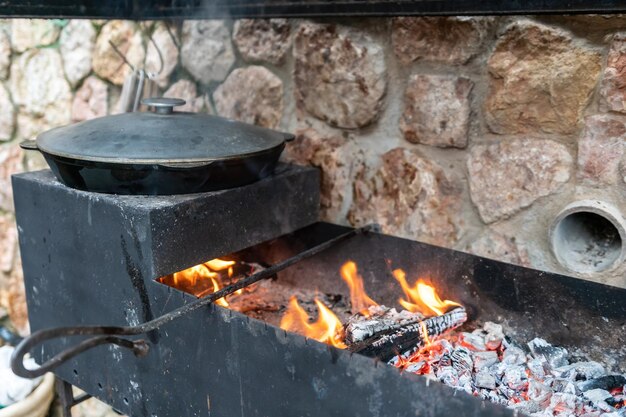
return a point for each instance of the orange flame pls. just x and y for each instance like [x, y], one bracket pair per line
[201, 279]
[359, 299]
[421, 297]
[219, 264]
[191, 276]
[327, 328]
[425, 334]
[216, 287]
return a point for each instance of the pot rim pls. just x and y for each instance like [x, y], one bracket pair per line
[163, 161]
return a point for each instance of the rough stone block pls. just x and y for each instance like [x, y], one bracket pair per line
[613, 86]
[437, 110]
[450, 40]
[601, 149]
[339, 75]
[507, 176]
[541, 80]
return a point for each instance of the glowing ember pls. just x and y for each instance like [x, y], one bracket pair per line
[422, 298]
[541, 383]
[326, 329]
[359, 299]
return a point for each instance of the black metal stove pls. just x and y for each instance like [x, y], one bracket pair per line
[94, 259]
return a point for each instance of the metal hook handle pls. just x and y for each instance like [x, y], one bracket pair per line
[29, 144]
[109, 334]
[139, 347]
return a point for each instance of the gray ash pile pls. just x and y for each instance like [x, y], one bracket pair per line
[538, 379]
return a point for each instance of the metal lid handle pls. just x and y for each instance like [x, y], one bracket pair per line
[163, 105]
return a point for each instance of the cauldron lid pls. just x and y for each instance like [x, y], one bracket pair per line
[162, 136]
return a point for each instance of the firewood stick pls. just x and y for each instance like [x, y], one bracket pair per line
[385, 345]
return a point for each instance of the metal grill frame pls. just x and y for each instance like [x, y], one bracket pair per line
[224, 9]
[91, 259]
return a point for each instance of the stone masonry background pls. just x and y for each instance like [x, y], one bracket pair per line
[469, 133]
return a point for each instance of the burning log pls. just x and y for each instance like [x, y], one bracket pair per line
[386, 341]
[375, 320]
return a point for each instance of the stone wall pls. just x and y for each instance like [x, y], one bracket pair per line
[470, 133]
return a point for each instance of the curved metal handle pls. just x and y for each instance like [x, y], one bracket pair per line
[30, 145]
[163, 105]
[106, 335]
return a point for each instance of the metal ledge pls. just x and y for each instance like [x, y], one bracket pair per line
[204, 9]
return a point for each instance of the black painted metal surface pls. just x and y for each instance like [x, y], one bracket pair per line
[203, 9]
[92, 259]
[107, 334]
[152, 236]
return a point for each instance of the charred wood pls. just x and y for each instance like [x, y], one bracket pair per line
[607, 382]
[461, 360]
[555, 356]
[378, 319]
[388, 343]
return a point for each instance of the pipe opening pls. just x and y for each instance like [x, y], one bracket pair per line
[585, 241]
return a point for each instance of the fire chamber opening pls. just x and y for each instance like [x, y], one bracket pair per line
[588, 237]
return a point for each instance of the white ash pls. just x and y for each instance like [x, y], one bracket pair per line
[415, 367]
[485, 379]
[494, 336]
[538, 393]
[473, 341]
[462, 361]
[538, 368]
[562, 401]
[485, 359]
[564, 385]
[597, 394]
[515, 377]
[585, 370]
[514, 356]
[491, 327]
[448, 376]
[539, 381]
[556, 356]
